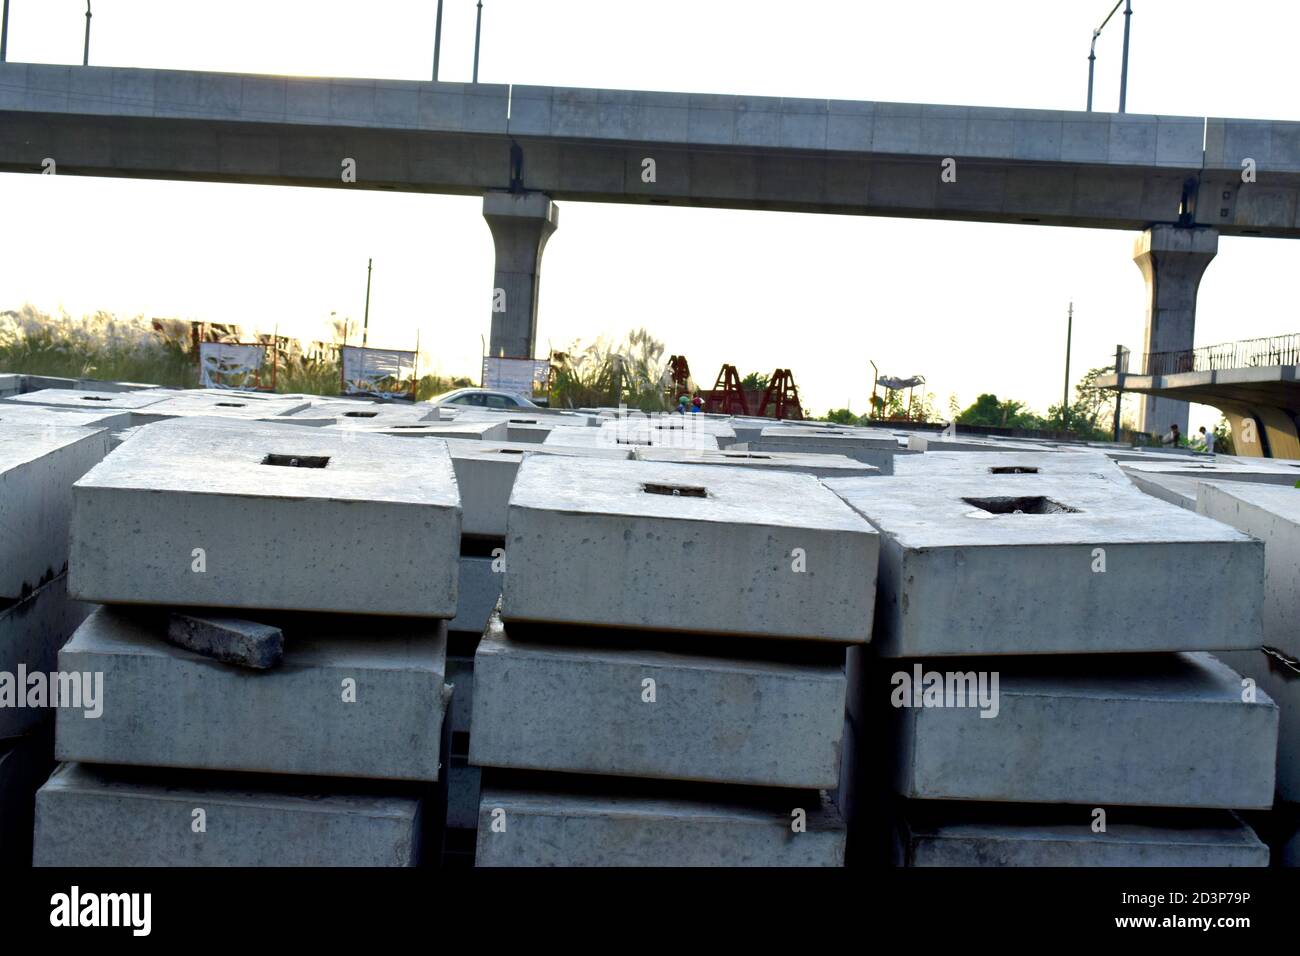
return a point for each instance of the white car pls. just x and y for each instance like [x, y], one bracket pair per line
[482, 398]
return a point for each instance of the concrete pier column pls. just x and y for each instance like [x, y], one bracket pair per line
[1172, 260]
[520, 223]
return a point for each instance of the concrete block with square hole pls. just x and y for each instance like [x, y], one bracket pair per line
[353, 697]
[941, 464]
[954, 834]
[820, 466]
[39, 464]
[650, 433]
[485, 473]
[88, 816]
[667, 547]
[467, 431]
[13, 414]
[653, 828]
[137, 404]
[552, 704]
[215, 403]
[1159, 730]
[209, 512]
[360, 413]
[1044, 564]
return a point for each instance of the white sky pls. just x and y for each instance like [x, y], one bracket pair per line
[972, 307]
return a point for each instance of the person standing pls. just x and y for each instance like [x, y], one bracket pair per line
[1207, 437]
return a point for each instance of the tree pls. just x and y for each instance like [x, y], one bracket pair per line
[756, 382]
[989, 412]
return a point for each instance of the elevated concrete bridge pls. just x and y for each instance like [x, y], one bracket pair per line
[1176, 179]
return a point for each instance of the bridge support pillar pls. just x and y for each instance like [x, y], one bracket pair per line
[521, 222]
[1172, 260]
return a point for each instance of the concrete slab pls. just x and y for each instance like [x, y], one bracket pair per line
[809, 440]
[1175, 489]
[362, 413]
[1271, 514]
[1280, 680]
[470, 430]
[933, 442]
[38, 466]
[359, 524]
[478, 591]
[227, 639]
[550, 704]
[353, 698]
[89, 816]
[1221, 469]
[657, 546]
[1038, 462]
[820, 466]
[727, 828]
[959, 578]
[136, 403]
[949, 834]
[485, 474]
[675, 431]
[1152, 730]
[14, 414]
[31, 632]
[221, 405]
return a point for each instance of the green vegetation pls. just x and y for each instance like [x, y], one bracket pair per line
[633, 373]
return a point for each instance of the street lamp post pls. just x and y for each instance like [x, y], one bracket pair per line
[437, 40]
[478, 29]
[4, 31]
[85, 55]
[1092, 54]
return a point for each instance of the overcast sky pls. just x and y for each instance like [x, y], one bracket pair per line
[972, 307]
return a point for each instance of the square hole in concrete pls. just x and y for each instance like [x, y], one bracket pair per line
[230, 404]
[410, 426]
[360, 414]
[1013, 470]
[745, 454]
[297, 461]
[94, 398]
[677, 491]
[510, 451]
[675, 428]
[1024, 505]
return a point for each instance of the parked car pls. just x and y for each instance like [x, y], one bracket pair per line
[482, 398]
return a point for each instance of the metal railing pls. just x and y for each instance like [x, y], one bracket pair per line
[1248, 353]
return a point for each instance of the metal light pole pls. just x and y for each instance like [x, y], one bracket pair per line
[1065, 394]
[1119, 390]
[4, 31]
[478, 30]
[1123, 70]
[85, 55]
[1092, 54]
[437, 40]
[365, 325]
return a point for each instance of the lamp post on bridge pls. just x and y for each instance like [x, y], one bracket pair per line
[85, 55]
[478, 29]
[1123, 70]
[4, 31]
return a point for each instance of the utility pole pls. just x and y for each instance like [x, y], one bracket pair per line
[1119, 386]
[437, 40]
[365, 325]
[1065, 395]
[4, 31]
[478, 30]
[85, 54]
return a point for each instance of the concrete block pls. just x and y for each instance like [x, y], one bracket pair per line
[1039, 462]
[672, 431]
[287, 518]
[14, 414]
[1175, 489]
[550, 704]
[467, 430]
[92, 399]
[479, 590]
[650, 545]
[1152, 730]
[227, 639]
[169, 707]
[948, 834]
[1271, 514]
[1280, 680]
[652, 828]
[38, 466]
[485, 474]
[820, 466]
[215, 403]
[810, 440]
[89, 816]
[362, 413]
[31, 632]
[1011, 564]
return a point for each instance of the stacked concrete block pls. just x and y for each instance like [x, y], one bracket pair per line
[1271, 514]
[1035, 646]
[359, 413]
[665, 431]
[711, 663]
[137, 404]
[220, 404]
[873, 448]
[820, 466]
[344, 543]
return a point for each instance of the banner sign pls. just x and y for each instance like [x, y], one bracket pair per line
[385, 373]
[519, 377]
[229, 365]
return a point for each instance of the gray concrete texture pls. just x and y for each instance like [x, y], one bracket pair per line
[950, 836]
[1157, 730]
[275, 531]
[478, 591]
[11, 413]
[38, 465]
[941, 463]
[88, 816]
[648, 545]
[552, 705]
[354, 698]
[958, 578]
[31, 632]
[817, 465]
[558, 828]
